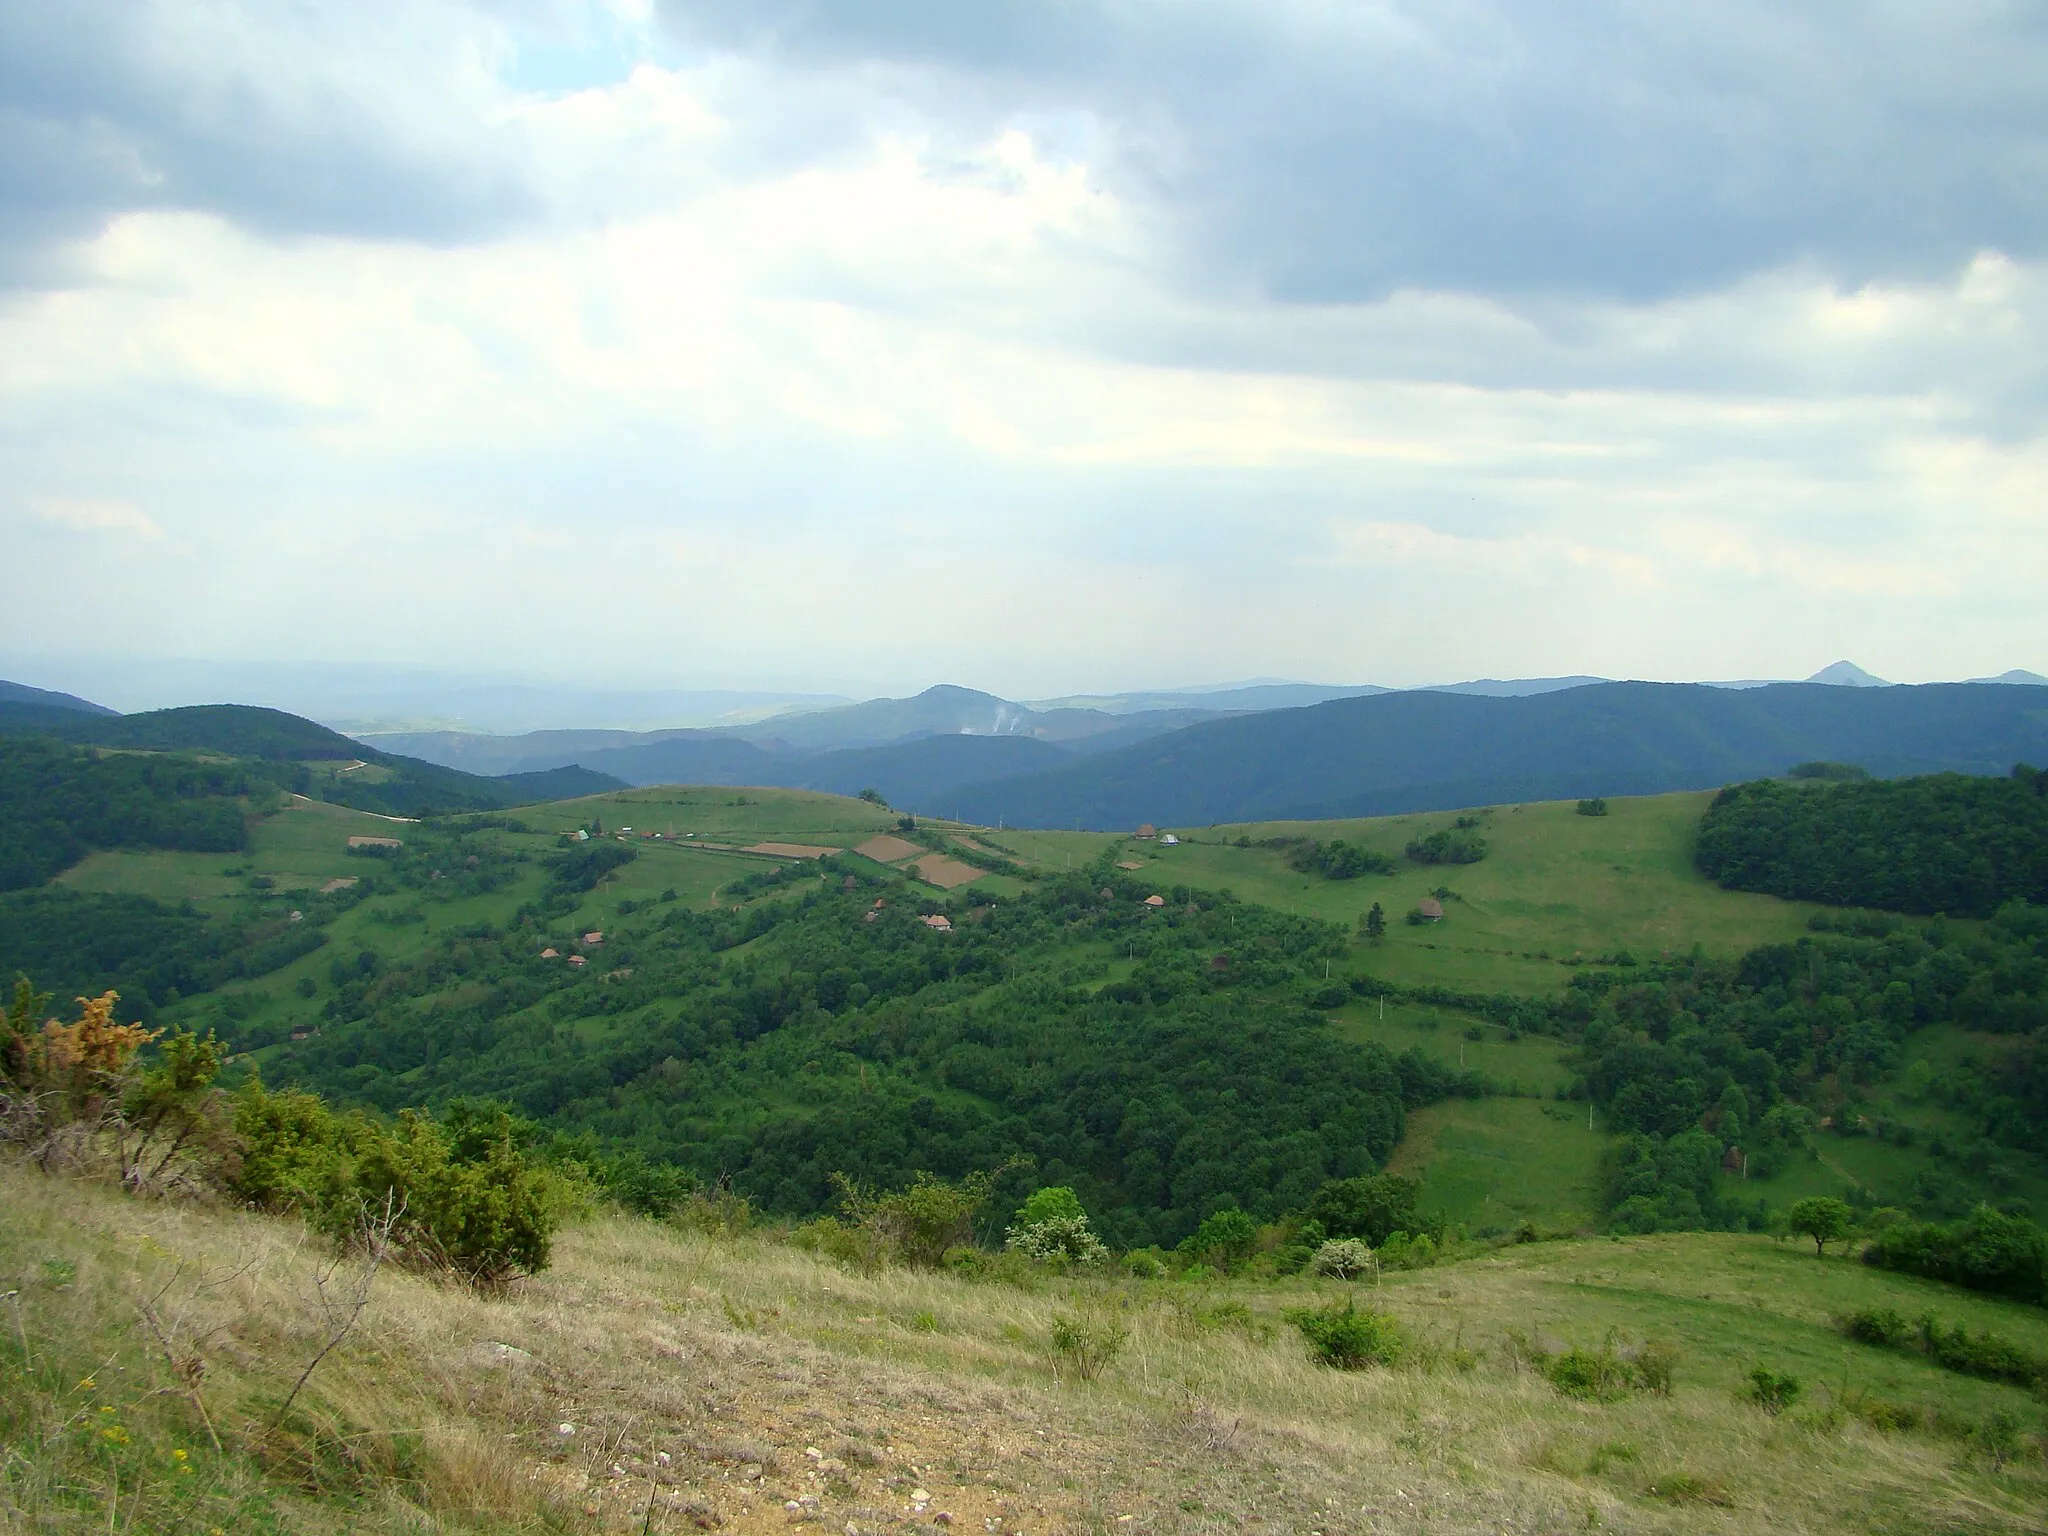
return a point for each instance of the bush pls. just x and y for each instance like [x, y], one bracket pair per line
[1061, 1241]
[1986, 1251]
[1593, 807]
[917, 1225]
[1344, 1258]
[1875, 1325]
[468, 1201]
[1225, 1241]
[1595, 1375]
[1084, 1342]
[1447, 847]
[486, 1219]
[1348, 1339]
[1770, 1390]
[1603, 1375]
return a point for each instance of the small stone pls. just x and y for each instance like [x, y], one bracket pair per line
[662, 1458]
[943, 1517]
[565, 1430]
[792, 1506]
[920, 1496]
[813, 1452]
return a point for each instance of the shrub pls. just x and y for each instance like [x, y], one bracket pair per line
[1986, 1251]
[1224, 1241]
[1770, 1390]
[1447, 847]
[1061, 1241]
[1084, 1342]
[1596, 806]
[1344, 1258]
[1594, 1375]
[1875, 1325]
[485, 1218]
[1348, 1339]
[1601, 1375]
[917, 1225]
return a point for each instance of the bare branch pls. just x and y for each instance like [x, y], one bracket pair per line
[343, 1312]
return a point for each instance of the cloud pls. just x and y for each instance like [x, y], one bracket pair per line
[96, 517]
[1095, 344]
[1328, 153]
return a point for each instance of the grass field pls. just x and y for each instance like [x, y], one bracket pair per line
[721, 815]
[1553, 886]
[1494, 1163]
[658, 1381]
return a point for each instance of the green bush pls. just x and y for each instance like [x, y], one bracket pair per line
[1348, 1339]
[1085, 1342]
[469, 1201]
[1875, 1325]
[917, 1225]
[1598, 1376]
[1770, 1390]
[1225, 1241]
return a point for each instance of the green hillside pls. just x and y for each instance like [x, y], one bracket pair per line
[735, 1019]
[1555, 887]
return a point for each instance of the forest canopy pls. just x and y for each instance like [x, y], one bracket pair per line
[1944, 843]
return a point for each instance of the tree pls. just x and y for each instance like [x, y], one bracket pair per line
[1822, 1218]
[1376, 923]
[1373, 1206]
[874, 797]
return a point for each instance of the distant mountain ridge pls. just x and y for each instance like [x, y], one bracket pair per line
[1431, 750]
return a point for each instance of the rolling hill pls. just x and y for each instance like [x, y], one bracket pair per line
[338, 769]
[1401, 752]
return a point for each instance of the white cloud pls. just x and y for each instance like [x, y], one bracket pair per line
[96, 517]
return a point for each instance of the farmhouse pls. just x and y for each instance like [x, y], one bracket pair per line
[938, 922]
[1147, 831]
[375, 842]
[1153, 901]
[578, 960]
[551, 954]
[1431, 909]
[592, 939]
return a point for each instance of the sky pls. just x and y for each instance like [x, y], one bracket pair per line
[1073, 346]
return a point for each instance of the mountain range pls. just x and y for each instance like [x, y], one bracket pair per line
[1278, 751]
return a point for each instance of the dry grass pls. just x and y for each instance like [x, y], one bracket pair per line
[699, 1375]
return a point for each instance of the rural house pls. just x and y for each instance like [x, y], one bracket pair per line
[938, 922]
[1147, 831]
[1153, 901]
[1431, 909]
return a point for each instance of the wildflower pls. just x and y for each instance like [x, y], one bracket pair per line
[88, 1385]
[108, 1408]
[177, 1455]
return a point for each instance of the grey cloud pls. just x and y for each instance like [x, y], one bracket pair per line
[313, 119]
[1600, 147]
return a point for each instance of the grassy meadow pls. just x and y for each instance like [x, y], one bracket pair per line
[1555, 886]
[659, 1380]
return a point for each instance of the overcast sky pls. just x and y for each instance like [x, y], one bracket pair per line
[1049, 347]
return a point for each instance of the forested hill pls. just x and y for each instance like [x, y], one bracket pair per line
[397, 786]
[1399, 752]
[1945, 843]
[782, 1042]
